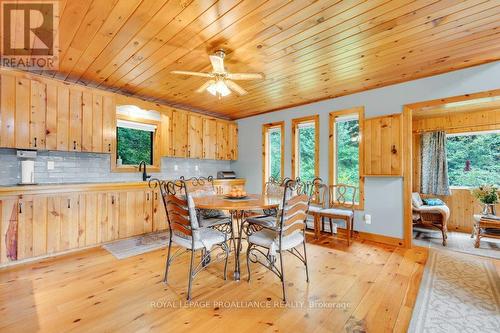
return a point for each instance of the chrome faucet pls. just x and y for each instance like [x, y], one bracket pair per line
[145, 176]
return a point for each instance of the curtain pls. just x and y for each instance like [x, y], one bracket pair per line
[434, 165]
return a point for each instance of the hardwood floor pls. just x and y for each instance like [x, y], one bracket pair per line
[366, 287]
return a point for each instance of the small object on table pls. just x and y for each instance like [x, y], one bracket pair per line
[485, 226]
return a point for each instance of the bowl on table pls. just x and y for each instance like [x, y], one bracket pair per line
[236, 194]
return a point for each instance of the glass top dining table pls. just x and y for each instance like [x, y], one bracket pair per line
[238, 209]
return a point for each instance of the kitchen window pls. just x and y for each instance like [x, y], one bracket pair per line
[135, 142]
[137, 139]
[305, 147]
[273, 142]
[346, 150]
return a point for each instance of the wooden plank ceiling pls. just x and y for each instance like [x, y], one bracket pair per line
[308, 50]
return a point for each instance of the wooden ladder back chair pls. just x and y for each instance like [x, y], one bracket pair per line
[342, 202]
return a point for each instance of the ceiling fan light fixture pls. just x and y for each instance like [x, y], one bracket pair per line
[219, 89]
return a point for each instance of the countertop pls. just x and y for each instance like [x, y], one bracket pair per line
[17, 189]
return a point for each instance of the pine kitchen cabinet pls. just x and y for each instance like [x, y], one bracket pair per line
[383, 146]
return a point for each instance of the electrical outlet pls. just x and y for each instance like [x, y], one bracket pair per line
[50, 165]
[196, 168]
[368, 219]
[176, 167]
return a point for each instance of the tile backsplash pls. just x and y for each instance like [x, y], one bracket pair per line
[73, 167]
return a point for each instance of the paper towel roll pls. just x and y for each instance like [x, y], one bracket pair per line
[27, 172]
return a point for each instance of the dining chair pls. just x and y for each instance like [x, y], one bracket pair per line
[319, 201]
[273, 188]
[342, 200]
[209, 218]
[265, 245]
[185, 231]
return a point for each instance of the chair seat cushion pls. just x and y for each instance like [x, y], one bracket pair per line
[270, 240]
[210, 213]
[204, 238]
[314, 209]
[210, 222]
[266, 221]
[337, 212]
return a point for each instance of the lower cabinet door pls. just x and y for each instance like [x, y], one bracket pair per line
[9, 208]
[135, 213]
[160, 222]
[32, 226]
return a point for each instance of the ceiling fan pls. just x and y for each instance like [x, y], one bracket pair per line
[220, 83]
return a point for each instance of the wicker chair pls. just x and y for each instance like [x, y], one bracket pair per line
[266, 244]
[430, 216]
[185, 231]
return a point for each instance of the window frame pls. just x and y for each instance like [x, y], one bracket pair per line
[332, 147]
[155, 167]
[265, 144]
[295, 124]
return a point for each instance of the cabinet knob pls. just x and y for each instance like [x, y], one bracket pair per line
[109, 147]
[35, 142]
[394, 150]
[74, 145]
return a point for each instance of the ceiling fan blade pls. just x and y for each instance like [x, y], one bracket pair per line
[245, 76]
[217, 64]
[202, 74]
[205, 86]
[233, 86]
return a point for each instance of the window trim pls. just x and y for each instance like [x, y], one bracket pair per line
[295, 124]
[265, 167]
[360, 111]
[156, 146]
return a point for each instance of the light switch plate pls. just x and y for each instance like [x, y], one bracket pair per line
[50, 165]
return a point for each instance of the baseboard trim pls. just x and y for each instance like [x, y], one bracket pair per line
[361, 235]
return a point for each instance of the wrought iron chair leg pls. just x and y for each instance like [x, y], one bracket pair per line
[305, 260]
[190, 275]
[331, 225]
[282, 276]
[226, 249]
[322, 223]
[248, 260]
[167, 263]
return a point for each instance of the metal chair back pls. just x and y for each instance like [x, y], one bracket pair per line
[293, 213]
[175, 200]
[200, 186]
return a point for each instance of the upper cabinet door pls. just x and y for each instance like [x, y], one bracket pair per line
[51, 118]
[383, 150]
[209, 138]
[62, 118]
[87, 121]
[195, 136]
[222, 140]
[97, 132]
[233, 141]
[75, 120]
[179, 133]
[7, 110]
[109, 124]
[37, 115]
